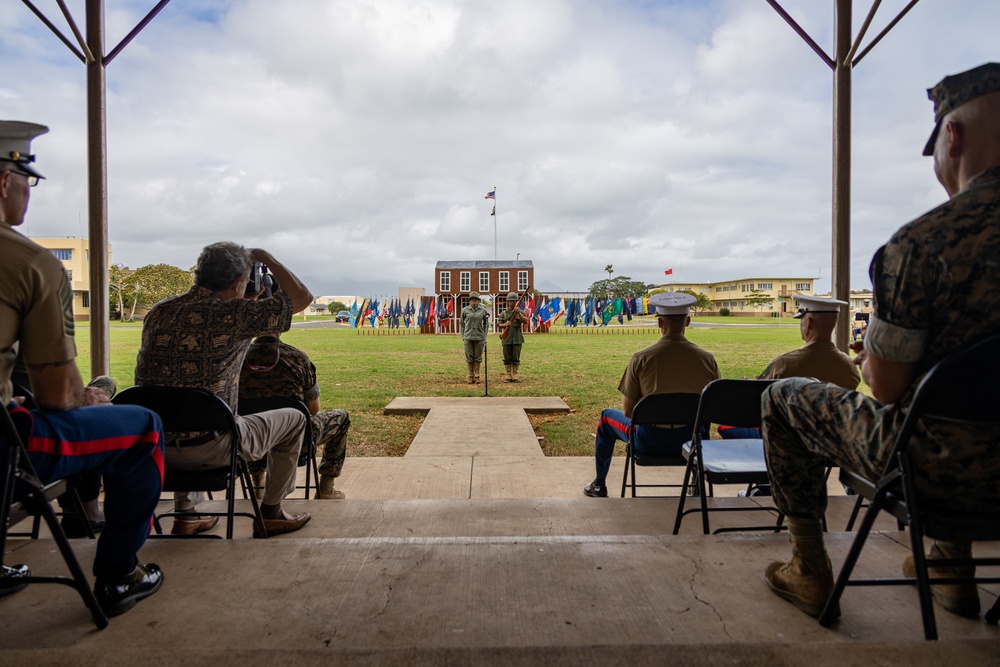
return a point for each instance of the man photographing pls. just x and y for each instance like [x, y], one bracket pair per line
[199, 340]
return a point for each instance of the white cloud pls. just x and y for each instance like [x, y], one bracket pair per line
[356, 139]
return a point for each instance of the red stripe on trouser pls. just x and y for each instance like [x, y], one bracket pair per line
[615, 423]
[85, 447]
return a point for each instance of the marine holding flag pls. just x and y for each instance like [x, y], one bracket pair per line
[511, 321]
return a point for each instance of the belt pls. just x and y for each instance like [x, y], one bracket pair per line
[207, 436]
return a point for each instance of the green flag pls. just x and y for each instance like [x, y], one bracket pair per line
[612, 310]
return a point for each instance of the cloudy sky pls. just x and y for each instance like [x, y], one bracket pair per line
[356, 139]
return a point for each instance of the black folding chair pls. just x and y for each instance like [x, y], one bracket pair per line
[23, 495]
[737, 461]
[307, 456]
[676, 409]
[960, 389]
[187, 410]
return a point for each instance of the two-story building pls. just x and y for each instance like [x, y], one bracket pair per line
[74, 253]
[772, 295]
[491, 278]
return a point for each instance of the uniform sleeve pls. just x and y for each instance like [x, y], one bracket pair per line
[897, 330]
[771, 372]
[311, 392]
[47, 323]
[629, 385]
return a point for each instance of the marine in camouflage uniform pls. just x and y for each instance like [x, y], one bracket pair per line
[935, 292]
[474, 319]
[512, 320]
[273, 368]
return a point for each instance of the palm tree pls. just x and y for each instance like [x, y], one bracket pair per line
[609, 269]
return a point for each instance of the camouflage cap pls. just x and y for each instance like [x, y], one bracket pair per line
[474, 295]
[955, 90]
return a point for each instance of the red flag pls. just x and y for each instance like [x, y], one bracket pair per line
[668, 272]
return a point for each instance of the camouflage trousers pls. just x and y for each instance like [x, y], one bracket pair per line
[808, 425]
[329, 429]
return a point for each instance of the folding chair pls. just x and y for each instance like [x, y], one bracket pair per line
[736, 461]
[23, 494]
[307, 457]
[677, 409]
[961, 389]
[187, 410]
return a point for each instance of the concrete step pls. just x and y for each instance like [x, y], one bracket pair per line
[519, 581]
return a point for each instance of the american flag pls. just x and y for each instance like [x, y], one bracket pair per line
[491, 195]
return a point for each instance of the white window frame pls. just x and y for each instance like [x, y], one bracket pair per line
[505, 281]
[522, 281]
[484, 282]
[444, 285]
[464, 281]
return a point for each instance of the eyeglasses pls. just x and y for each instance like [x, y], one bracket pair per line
[32, 179]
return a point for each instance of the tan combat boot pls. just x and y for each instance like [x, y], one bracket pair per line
[325, 490]
[510, 376]
[472, 374]
[513, 377]
[807, 580]
[475, 370]
[961, 599]
[259, 482]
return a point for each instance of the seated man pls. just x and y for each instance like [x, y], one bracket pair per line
[199, 339]
[671, 365]
[935, 292]
[74, 430]
[275, 368]
[819, 358]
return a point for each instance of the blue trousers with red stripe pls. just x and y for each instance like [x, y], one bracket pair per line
[649, 440]
[124, 444]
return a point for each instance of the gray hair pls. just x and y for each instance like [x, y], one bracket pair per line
[220, 264]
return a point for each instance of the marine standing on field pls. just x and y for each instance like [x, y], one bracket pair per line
[474, 321]
[934, 286]
[512, 320]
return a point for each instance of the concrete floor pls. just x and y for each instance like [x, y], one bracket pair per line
[480, 559]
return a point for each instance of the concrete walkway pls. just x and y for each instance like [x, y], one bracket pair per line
[437, 558]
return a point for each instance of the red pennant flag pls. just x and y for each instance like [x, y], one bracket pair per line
[668, 272]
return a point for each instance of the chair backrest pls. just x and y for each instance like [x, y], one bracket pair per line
[963, 388]
[182, 409]
[29, 398]
[733, 402]
[679, 409]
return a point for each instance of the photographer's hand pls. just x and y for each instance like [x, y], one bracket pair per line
[288, 282]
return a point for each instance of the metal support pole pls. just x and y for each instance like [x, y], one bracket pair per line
[841, 262]
[100, 339]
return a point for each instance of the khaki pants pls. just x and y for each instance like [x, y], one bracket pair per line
[275, 435]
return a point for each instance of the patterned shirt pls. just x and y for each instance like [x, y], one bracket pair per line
[199, 340]
[292, 374]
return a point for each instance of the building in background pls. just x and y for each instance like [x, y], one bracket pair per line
[774, 296]
[74, 253]
[488, 277]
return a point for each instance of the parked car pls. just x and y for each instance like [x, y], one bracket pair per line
[343, 316]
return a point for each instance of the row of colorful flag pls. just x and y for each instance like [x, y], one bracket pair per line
[390, 313]
[542, 311]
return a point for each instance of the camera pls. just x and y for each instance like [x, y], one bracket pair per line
[260, 278]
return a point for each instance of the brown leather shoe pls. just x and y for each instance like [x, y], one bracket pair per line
[960, 599]
[193, 525]
[279, 526]
[805, 589]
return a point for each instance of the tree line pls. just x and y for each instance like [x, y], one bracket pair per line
[130, 290]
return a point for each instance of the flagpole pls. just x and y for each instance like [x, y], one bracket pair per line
[494, 223]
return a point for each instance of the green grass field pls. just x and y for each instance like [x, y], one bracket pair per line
[363, 373]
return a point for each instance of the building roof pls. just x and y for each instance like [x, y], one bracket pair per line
[485, 264]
